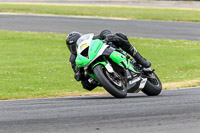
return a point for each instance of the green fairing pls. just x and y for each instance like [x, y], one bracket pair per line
[81, 60]
[119, 59]
[130, 67]
[94, 48]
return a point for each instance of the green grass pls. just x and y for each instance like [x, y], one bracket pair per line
[36, 64]
[100, 11]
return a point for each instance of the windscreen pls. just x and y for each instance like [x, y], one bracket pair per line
[84, 38]
[84, 41]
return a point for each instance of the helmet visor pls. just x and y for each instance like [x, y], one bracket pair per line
[72, 48]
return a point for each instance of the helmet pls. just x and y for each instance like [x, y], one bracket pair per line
[71, 41]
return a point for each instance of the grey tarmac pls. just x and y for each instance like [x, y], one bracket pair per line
[174, 111]
[132, 28]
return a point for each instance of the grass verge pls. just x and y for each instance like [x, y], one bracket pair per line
[36, 65]
[106, 11]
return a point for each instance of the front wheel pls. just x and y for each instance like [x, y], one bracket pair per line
[153, 85]
[113, 85]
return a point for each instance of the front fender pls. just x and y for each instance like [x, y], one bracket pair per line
[106, 65]
[102, 63]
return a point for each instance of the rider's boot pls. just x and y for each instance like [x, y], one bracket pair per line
[136, 55]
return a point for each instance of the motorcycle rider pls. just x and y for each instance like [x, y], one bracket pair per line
[119, 40]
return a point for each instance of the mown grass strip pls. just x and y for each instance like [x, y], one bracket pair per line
[107, 11]
[37, 64]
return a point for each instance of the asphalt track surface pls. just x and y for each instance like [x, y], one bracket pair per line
[132, 28]
[174, 111]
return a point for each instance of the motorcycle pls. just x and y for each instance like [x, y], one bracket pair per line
[114, 70]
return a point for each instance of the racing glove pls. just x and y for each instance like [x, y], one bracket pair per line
[79, 75]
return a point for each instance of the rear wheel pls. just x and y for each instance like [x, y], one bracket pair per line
[113, 83]
[153, 85]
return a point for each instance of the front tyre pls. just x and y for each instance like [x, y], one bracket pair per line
[153, 85]
[114, 86]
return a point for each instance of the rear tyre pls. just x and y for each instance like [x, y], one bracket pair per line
[114, 87]
[153, 85]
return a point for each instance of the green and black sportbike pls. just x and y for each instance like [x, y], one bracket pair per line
[113, 69]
